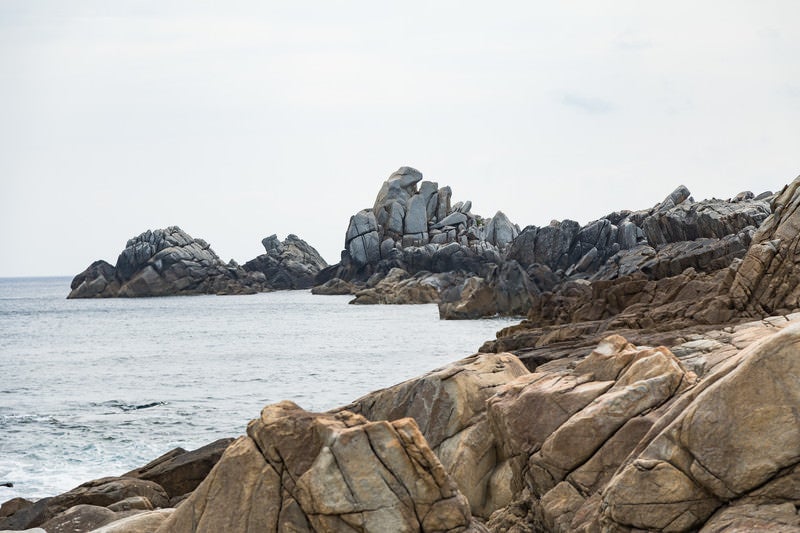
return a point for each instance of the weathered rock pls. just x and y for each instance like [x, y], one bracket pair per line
[449, 406]
[398, 287]
[417, 230]
[335, 286]
[506, 290]
[179, 471]
[139, 523]
[161, 263]
[291, 264]
[13, 505]
[767, 280]
[500, 231]
[740, 433]
[79, 519]
[100, 492]
[298, 471]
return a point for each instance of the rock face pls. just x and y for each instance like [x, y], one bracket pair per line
[167, 262]
[736, 444]
[766, 281]
[449, 406]
[179, 472]
[298, 471]
[291, 264]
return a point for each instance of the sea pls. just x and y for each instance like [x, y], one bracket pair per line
[94, 388]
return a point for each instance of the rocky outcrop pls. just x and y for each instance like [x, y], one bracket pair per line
[662, 242]
[164, 262]
[100, 493]
[505, 290]
[167, 262]
[767, 280]
[449, 406]
[413, 226]
[298, 471]
[734, 443]
[399, 287]
[291, 264]
[179, 472]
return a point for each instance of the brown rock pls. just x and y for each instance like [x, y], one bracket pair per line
[736, 435]
[449, 406]
[13, 505]
[766, 281]
[138, 523]
[298, 471]
[79, 519]
[100, 492]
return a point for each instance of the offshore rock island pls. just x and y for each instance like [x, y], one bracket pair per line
[169, 261]
[653, 386]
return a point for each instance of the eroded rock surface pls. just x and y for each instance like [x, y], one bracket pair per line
[449, 406]
[298, 471]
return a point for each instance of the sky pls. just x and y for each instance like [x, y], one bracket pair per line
[236, 120]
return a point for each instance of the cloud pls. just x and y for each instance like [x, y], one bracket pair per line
[592, 106]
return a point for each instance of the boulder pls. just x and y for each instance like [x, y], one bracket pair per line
[449, 406]
[100, 492]
[79, 519]
[506, 290]
[179, 471]
[334, 286]
[300, 471]
[363, 241]
[138, 523]
[399, 288]
[500, 231]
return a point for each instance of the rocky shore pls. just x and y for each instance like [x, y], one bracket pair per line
[412, 246]
[654, 386]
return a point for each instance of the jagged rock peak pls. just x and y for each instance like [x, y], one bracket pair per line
[411, 213]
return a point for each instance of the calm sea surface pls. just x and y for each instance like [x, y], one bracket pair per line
[90, 388]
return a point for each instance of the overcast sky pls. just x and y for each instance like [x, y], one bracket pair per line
[236, 120]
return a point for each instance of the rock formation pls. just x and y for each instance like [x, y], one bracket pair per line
[633, 401]
[413, 226]
[291, 264]
[298, 471]
[169, 261]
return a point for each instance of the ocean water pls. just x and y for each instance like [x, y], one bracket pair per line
[90, 388]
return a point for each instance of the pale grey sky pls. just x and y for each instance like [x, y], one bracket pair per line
[236, 120]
